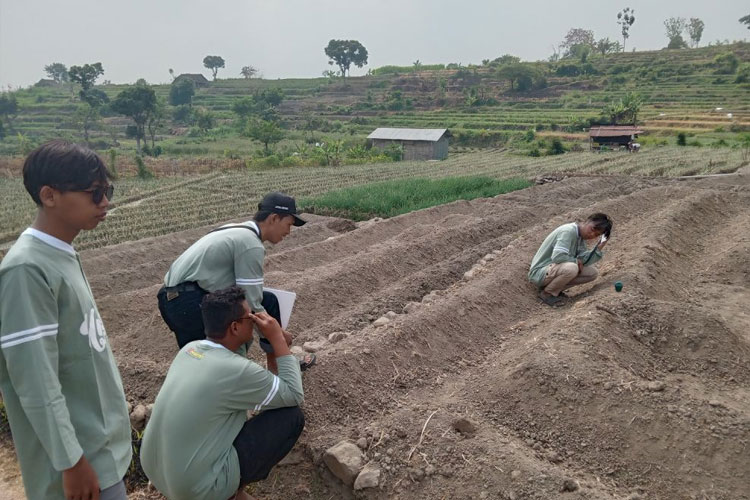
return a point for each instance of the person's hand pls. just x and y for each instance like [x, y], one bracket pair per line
[80, 482]
[287, 337]
[601, 243]
[267, 325]
[580, 266]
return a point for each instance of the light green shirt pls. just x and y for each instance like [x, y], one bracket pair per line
[187, 450]
[221, 259]
[58, 378]
[564, 244]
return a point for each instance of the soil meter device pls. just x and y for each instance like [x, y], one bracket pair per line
[618, 286]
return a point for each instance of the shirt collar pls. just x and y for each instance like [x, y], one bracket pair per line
[253, 224]
[50, 240]
[213, 344]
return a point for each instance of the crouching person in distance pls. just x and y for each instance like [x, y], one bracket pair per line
[564, 261]
[199, 444]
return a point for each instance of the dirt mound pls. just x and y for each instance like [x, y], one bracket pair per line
[457, 382]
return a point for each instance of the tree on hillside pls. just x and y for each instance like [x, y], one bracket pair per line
[57, 71]
[746, 21]
[344, 53]
[205, 119]
[525, 76]
[695, 30]
[625, 19]
[577, 36]
[171, 74]
[155, 120]
[86, 75]
[182, 92]
[266, 132]
[674, 27]
[248, 71]
[8, 108]
[606, 46]
[137, 102]
[213, 63]
[86, 118]
[625, 110]
[506, 59]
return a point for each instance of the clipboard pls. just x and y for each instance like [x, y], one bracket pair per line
[286, 303]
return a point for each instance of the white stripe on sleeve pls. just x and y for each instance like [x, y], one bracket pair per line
[243, 281]
[29, 331]
[23, 340]
[271, 393]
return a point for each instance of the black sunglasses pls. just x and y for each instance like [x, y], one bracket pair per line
[98, 193]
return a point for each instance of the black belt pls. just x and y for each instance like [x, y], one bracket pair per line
[188, 286]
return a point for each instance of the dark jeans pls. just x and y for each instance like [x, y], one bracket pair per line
[265, 439]
[182, 314]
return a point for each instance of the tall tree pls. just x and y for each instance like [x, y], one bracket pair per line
[746, 21]
[344, 53]
[625, 19]
[213, 63]
[674, 27]
[578, 36]
[137, 102]
[695, 30]
[248, 72]
[519, 73]
[57, 71]
[86, 75]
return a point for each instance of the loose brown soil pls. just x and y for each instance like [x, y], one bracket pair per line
[638, 394]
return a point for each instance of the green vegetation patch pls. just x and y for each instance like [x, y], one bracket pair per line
[396, 197]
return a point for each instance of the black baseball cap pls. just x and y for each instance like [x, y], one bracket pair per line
[279, 203]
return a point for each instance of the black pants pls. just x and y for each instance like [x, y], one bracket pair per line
[182, 313]
[265, 439]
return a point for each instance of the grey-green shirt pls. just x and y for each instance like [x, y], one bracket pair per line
[564, 244]
[221, 259]
[187, 450]
[58, 378]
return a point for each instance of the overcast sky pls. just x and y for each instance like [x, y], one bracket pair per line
[285, 38]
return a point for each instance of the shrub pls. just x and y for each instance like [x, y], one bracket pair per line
[726, 64]
[556, 148]
[143, 170]
[681, 139]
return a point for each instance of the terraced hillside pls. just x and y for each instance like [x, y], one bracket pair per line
[681, 88]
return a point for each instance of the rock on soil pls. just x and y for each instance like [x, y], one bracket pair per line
[465, 427]
[368, 478]
[344, 460]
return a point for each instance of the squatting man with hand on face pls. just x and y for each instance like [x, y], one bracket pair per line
[199, 444]
[564, 261]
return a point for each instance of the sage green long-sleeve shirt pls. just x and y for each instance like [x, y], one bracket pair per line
[58, 378]
[564, 244]
[187, 450]
[224, 258]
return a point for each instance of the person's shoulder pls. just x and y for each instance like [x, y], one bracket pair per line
[25, 252]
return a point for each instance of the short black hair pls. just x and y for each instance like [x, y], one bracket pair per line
[601, 222]
[220, 308]
[261, 215]
[64, 166]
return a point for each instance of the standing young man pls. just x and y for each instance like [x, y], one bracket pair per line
[564, 261]
[199, 444]
[230, 255]
[60, 385]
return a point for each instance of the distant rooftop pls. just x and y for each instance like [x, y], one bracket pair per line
[614, 130]
[409, 134]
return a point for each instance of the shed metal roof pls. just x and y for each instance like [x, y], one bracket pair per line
[409, 134]
[614, 131]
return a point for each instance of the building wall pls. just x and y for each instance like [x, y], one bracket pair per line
[418, 150]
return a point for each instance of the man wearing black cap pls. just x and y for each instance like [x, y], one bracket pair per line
[229, 255]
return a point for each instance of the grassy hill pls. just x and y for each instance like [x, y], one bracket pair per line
[683, 91]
